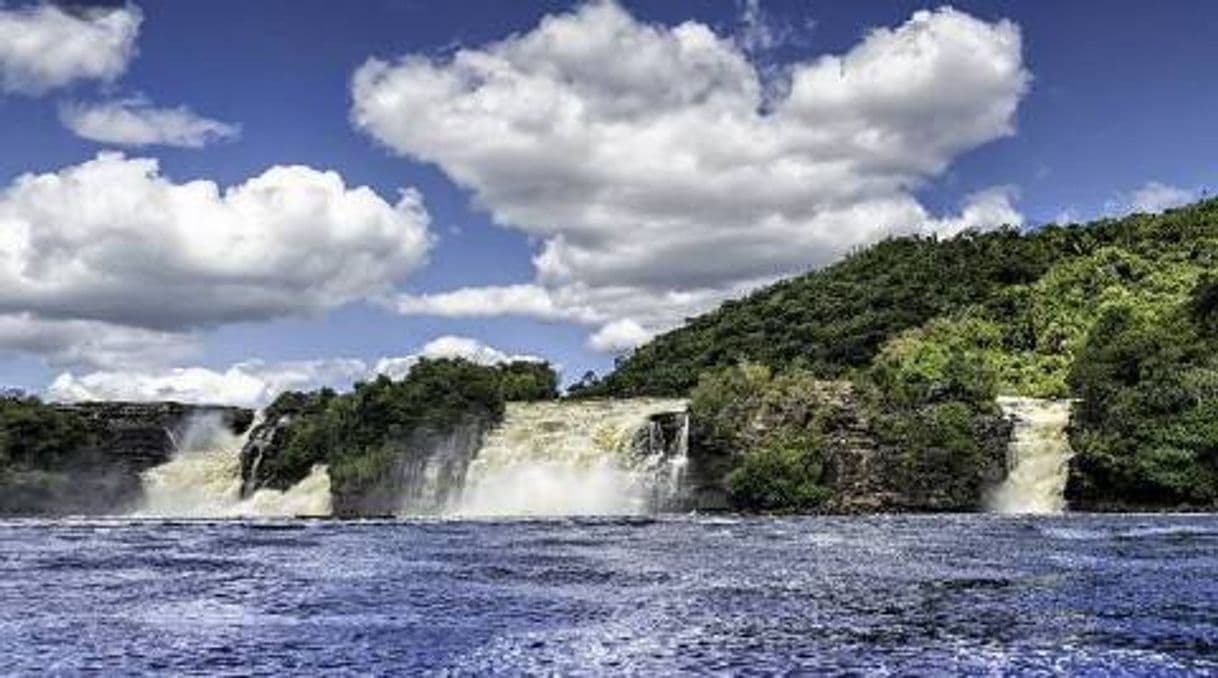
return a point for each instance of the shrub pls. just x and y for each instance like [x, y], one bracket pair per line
[1146, 429]
[769, 428]
[38, 436]
[781, 474]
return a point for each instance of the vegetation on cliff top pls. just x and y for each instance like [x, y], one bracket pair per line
[49, 461]
[766, 437]
[34, 435]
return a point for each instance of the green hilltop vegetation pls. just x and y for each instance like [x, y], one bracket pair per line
[1121, 314]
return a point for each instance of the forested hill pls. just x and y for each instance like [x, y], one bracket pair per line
[1025, 300]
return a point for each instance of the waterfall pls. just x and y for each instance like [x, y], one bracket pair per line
[203, 480]
[589, 457]
[431, 482]
[1037, 459]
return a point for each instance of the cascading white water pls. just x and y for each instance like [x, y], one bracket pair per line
[572, 458]
[203, 480]
[1038, 457]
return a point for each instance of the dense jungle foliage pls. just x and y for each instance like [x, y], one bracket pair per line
[1116, 313]
[765, 434]
[1145, 431]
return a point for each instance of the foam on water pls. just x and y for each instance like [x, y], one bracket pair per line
[1038, 457]
[203, 480]
[573, 458]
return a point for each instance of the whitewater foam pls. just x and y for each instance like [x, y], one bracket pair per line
[203, 480]
[1038, 457]
[574, 458]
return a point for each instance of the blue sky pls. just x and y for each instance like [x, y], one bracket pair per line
[1112, 109]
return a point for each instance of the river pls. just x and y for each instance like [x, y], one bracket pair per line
[918, 594]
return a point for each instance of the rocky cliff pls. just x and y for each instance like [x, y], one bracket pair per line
[98, 473]
[863, 470]
[140, 435]
[426, 472]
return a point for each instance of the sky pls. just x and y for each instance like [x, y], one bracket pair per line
[217, 201]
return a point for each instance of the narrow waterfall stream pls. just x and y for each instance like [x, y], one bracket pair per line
[1038, 457]
[203, 480]
[594, 457]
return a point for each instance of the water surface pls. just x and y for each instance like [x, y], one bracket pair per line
[974, 594]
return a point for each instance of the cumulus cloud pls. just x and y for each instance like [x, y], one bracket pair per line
[135, 122]
[256, 383]
[42, 47]
[981, 210]
[247, 384]
[593, 306]
[1156, 197]
[115, 243]
[618, 336]
[97, 345]
[653, 163]
[472, 302]
[448, 347]
[113, 240]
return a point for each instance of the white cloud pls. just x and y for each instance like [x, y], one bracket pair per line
[247, 384]
[1151, 198]
[472, 350]
[97, 345]
[984, 209]
[592, 306]
[759, 31]
[651, 162]
[448, 347]
[618, 336]
[529, 300]
[1156, 197]
[135, 122]
[256, 383]
[43, 47]
[112, 240]
[121, 258]
[1067, 216]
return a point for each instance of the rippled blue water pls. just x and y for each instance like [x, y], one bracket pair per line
[974, 594]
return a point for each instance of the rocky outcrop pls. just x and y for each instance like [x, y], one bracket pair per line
[265, 442]
[893, 483]
[102, 475]
[426, 472]
[864, 473]
[664, 443]
[141, 435]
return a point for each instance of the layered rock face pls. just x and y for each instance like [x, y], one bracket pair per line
[265, 442]
[427, 473]
[865, 474]
[103, 476]
[666, 439]
[141, 435]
